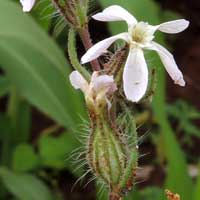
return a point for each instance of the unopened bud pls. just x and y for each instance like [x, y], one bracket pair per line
[109, 155]
[74, 12]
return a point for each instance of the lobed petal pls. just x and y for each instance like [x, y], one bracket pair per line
[175, 26]
[101, 47]
[115, 13]
[135, 75]
[169, 63]
[78, 82]
[27, 4]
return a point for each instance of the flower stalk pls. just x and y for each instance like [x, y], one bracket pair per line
[110, 156]
[87, 42]
[73, 55]
[75, 14]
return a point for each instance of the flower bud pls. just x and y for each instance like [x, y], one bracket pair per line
[74, 12]
[110, 156]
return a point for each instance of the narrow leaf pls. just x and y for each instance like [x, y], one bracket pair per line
[25, 186]
[37, 67]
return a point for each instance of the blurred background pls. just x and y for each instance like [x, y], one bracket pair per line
[42, 117]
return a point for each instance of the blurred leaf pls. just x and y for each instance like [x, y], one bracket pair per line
[4, 85]
[19, 112]
[152, 193]
[23, 122]
[55, 151]
[60, 28]
[181, 109]
[4, 125]
[169, 15]
[159, 142]
[43, 13]
[197, 187]
[191, 129]
[177, 178]
[185, 114]
[24, 158]
[25, 186]
[5, 139]
[36, 66]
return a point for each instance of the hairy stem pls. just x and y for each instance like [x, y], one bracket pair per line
[113, 196]
[61, 10]
[73, 56]
[81, 29]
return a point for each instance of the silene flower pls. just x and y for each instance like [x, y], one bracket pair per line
[140, 36]
[98, 90]
[27, 5]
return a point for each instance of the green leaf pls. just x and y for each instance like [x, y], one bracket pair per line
[19, 112]
[185, 114]
[4, 85]
[197, 188]
[25, 186]
[24, 158]
[177, 178]
[55, 151]
[169, 15]
[152, 193]
[36, 66]
[23, 122]
[43, 13]
[6, 139]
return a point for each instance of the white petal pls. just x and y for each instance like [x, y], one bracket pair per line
[115, 13]
[27, 4]
[104, 83]
[100, 48]
[78, 82]
[175, 26]
[95, 74]
[135, 76]
[169, 63]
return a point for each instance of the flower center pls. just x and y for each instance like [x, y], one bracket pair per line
[142, 33]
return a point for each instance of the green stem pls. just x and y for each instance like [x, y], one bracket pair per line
[73, 56]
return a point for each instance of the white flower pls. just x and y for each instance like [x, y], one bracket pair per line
[97, 90]
[27, 4]
[139, 37]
